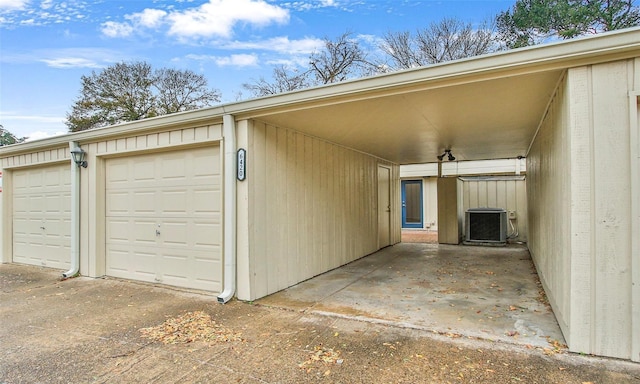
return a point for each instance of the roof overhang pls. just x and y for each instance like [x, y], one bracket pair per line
[487, 107]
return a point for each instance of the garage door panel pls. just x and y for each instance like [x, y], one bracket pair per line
[167, 210]
[57, 204]
[131, 231]
[144, 170]
[117, 203]
[174, 201]
[143, 231]
[144, 202]
[206, 202]
[173, 168]
[118, 260]
[20, 204]
[206, 235]
[118, 176]
[42, 216]
[175, 233]
[117, 230]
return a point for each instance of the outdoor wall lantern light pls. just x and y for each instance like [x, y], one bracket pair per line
[78, 155]
[447, 152]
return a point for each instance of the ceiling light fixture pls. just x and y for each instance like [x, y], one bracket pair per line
[448, 154]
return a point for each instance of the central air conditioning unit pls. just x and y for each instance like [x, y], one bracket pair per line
[486, 225]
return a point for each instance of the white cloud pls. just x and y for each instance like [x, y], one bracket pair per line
[281, 45]
[37, 135]
[218, 17]
[240, 60]
[236, 60]
[114, 29]
[309, 5]
[215, 18]
[73, 57]
[71, 62]
[66, 57]
[13, 4]
[41, 12]
[23, 125]
[149, 18]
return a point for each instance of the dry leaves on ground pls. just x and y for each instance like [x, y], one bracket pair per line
[556, 347]
[190, 327]
[321, 354]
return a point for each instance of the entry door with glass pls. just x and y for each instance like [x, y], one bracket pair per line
[412, 204]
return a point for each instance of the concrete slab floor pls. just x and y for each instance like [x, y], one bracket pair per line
[473, 291]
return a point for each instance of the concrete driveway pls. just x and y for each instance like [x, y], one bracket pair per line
[485, 292]
[86, 330]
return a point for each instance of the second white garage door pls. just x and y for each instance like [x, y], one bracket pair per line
[163, 218]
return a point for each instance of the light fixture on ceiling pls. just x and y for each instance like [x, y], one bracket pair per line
[448, 154]
[78, 155]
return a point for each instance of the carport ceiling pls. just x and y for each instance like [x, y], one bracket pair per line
[483, 119]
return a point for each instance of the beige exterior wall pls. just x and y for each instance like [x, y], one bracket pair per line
[449, 223]
[430, 202]
[580, 203]
[506, 192]
[309, 206]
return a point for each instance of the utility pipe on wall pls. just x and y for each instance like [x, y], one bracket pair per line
[229, 210]
[75, 216]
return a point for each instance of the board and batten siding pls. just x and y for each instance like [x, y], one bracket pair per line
[579, 194]
[506, 192]
[310, 206]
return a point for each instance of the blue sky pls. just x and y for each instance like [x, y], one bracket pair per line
[47, 45]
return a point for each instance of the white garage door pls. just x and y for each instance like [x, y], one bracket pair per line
[42, 216]
[163, 218]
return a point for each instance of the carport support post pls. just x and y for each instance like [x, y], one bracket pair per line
[75, 216]
[229, 204]
[634, 134]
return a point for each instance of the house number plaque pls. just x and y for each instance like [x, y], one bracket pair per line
[242, 155]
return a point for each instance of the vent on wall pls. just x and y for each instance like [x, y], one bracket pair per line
[486, 225]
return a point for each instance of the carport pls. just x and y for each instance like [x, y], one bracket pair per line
[569, 108]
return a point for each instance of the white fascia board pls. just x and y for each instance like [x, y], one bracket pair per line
[484, 167]
[418, 170]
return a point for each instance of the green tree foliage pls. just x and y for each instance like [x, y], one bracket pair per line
[133, 91]
[8, 138]
[531, 22]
